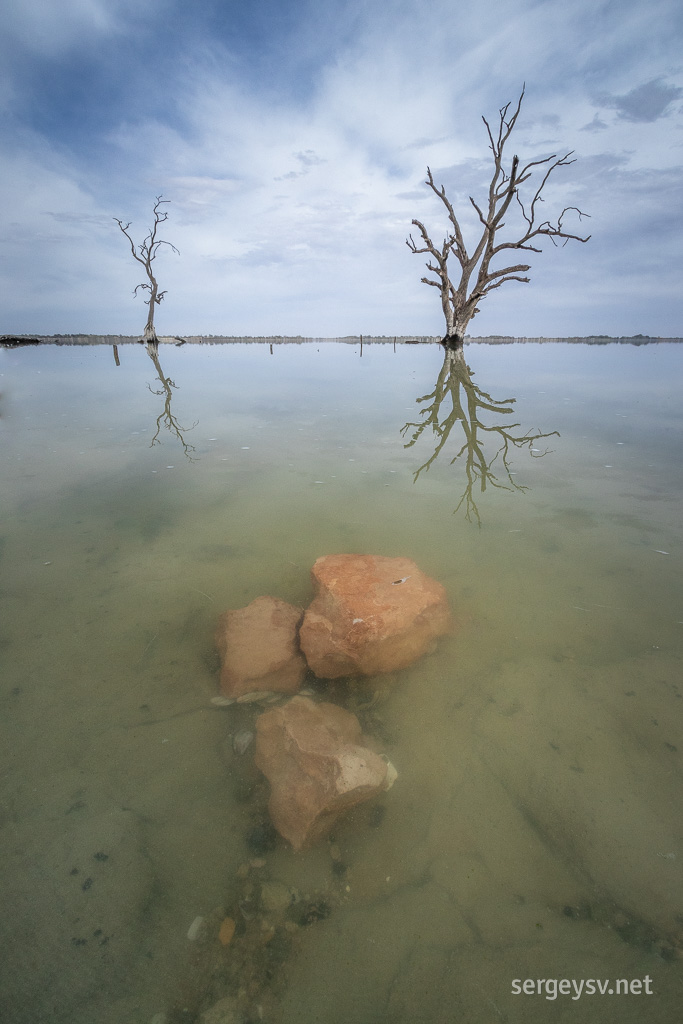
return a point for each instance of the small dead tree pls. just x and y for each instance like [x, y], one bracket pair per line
[460, 298]
[145, 253]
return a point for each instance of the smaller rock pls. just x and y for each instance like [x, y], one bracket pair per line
[259, 649]
[316, 763]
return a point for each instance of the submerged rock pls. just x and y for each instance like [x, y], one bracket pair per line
[225, 1011]
[195, 929]
[226, 931]
[371, 615]
[241, 741]
[276, 897]
[313, 757]
[259, 649]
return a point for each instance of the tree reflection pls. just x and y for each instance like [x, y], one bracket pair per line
[166, 417]
[457, 399]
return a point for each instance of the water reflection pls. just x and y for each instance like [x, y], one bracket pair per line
[166, 417]
[535, 831]
[456, 399]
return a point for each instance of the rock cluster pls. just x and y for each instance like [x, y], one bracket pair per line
[370, 615]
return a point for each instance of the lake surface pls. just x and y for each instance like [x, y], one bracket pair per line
[535, 829]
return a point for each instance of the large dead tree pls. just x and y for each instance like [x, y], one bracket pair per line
[145, 253]
[477, 277]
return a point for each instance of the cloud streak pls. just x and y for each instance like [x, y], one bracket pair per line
[294, 151]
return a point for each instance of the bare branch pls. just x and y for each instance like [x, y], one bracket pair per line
[459, 296]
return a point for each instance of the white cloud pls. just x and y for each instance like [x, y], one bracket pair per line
[291, 215]
[45, 27]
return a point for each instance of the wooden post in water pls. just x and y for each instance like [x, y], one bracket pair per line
[116, 354]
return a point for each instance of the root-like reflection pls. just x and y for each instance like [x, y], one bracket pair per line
[457, 399]
[166, 417]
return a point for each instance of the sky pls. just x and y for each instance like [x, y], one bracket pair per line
[292, 139]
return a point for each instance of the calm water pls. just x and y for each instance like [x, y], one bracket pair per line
[535, 830]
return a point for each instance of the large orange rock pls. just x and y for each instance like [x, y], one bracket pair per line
[370, 614]
[313, 757]
[259, 648]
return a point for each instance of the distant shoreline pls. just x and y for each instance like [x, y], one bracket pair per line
[19, 341]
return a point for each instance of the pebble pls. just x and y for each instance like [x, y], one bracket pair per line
[392, 775]
[277, 897]
[226, 931]
[195, 928]
[242, 740]
[247, 909]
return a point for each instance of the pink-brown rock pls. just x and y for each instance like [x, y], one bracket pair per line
[314, 758]
[259, 648]
[370, 615]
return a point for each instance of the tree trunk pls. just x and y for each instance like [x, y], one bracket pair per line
[455, 334]
[149, 333]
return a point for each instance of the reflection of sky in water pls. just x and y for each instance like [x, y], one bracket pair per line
[531, 830]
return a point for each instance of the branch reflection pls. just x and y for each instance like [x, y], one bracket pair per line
[456, 399]
[166, 417]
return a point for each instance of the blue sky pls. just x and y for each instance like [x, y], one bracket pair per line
[292, 141]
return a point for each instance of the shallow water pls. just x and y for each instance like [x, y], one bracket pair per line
[535, 828]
